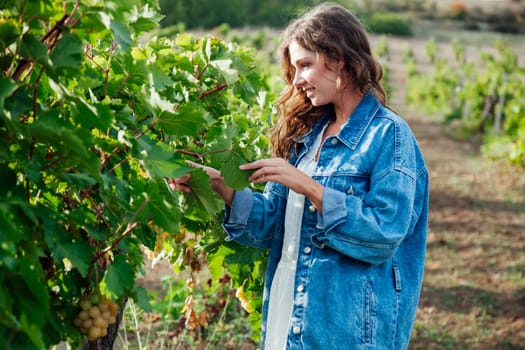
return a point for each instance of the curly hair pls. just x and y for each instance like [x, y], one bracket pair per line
[334, 32]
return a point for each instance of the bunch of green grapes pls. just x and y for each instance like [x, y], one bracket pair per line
[96, 315]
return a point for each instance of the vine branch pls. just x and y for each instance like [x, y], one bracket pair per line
[214, 90]
[131, 225]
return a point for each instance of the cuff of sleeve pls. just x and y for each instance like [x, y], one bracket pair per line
[334, 208]
[236, 216]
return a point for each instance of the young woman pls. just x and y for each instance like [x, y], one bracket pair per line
[344, 211]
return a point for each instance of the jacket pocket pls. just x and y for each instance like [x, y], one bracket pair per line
[354, 185]
[397, 278]
[367, 335]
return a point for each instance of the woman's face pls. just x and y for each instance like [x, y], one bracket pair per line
[312, 75]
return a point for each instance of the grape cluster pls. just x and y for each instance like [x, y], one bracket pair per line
[96, 316]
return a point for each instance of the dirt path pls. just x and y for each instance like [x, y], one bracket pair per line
[474, 290]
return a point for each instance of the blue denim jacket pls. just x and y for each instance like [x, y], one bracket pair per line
[360, 264]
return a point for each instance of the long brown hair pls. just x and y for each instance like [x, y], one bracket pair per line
[334, 32]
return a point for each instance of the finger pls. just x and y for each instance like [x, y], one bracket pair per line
[183, 179]
[253, 165]
[183, 188]
[260, 175]
[195, 165]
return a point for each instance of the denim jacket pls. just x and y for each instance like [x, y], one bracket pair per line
[360, 264]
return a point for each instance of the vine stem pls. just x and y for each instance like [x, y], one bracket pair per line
[132, 224]
[214, 90]
[201, 156]
[150, 127]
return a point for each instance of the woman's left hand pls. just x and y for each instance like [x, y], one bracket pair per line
[279, 170]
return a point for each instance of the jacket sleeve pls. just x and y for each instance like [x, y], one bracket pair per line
[371, 227]
[254, 218]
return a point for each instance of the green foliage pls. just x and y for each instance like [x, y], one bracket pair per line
[484, 97]
[236, 13]
[387, 23]
[91, 123]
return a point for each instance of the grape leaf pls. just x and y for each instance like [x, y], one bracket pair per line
[122, 34]
[31, 276]
[6, 88]
[33, 49]
[186, 122]
[140, 295]
[160, 160]
[62, 246]
[201, 202]
[68, 52]
[224, 66]
[184, 40]
[119, 277]
[164, 212]
[233, 176]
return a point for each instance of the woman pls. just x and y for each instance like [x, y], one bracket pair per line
[344, 211]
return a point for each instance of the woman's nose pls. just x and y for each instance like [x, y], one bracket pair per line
[298, 81]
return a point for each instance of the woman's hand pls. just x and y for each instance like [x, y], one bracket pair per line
[180, 184]
[216, 182]
[279, 170]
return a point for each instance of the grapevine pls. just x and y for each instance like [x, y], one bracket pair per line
[484, 97]
[96, 112]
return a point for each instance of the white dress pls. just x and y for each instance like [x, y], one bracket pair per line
[282, 291]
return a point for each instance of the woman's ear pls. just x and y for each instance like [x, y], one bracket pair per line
[340, 66]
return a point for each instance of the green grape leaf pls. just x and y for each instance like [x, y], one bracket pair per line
[140, 295]
[242, 262]
[188, 120]
[185, 41]
[201, 202]
[118, 278]
[6, 89]
[146, 24]
[154, 102]
[68, 52]
[216, 260]
[224, 66]
[80, 180]
[162, 210]
[92, 114]
[161, 161]
[122, 34]
[9, 31]
[233, 176]
[62, 246]
[32, 330]
[31, 276]
[33, 49]
[158, 78]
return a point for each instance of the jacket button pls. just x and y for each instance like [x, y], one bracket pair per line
[300, 288]
[307, 250]
[296, 330]
[311, 209]
[333, 141]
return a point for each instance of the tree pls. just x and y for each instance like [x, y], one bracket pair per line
[95, 115]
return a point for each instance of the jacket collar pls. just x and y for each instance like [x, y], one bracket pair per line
[354, 129]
